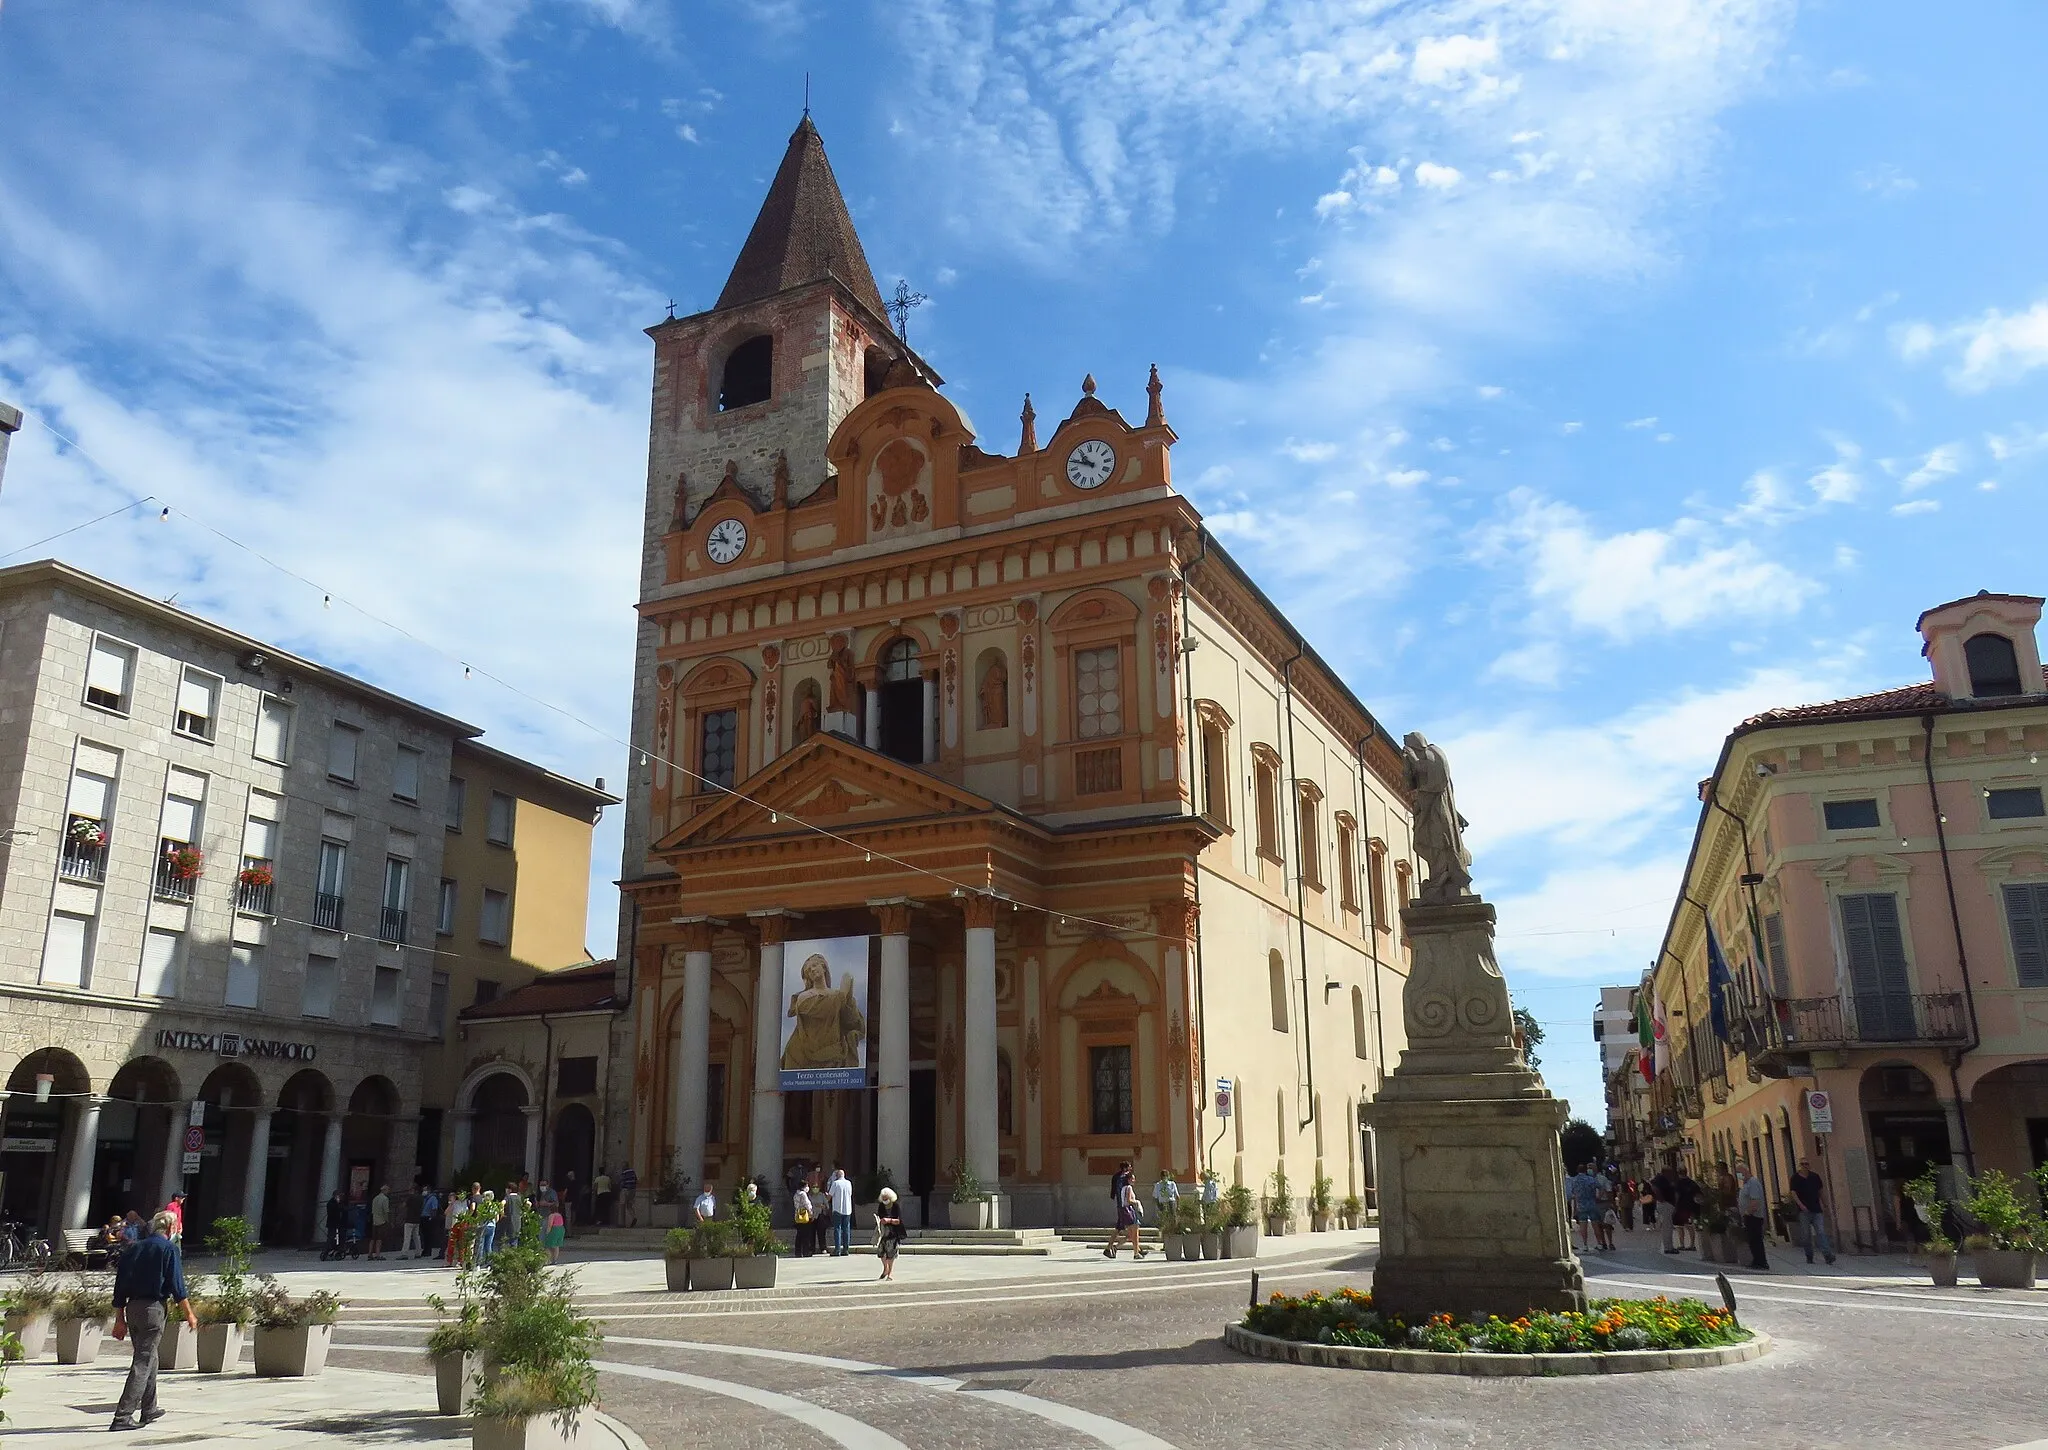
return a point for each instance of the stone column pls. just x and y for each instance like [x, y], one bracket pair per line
[979, 1065]
[173, 1176]
[330, 1165]
[531, 1165]
[871, 733]
[465, 1126]
[764, 1152]
[257, 1176]
[892, 1021]
[692, 1051]
[85, 1143]
[931, 718]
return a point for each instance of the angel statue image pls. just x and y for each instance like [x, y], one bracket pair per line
[1439, 829]
[829, 1024]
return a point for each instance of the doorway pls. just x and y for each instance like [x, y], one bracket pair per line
[901, 684]
[924, 1134]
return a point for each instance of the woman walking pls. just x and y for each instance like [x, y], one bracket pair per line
[889, 1221]
[557, 1231]
[1127, 1213]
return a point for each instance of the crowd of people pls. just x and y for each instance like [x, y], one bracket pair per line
[464, 1225]
[1600, 1200]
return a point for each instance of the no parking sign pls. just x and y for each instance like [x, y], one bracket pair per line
[1222, 1097]
[1820, 1112]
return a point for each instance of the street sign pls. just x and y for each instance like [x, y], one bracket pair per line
[1820, 1112]
[191, 1164]
[197, 1114]
[1223, 1086]
[195, 1139]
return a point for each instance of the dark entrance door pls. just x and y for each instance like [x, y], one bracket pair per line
[1903, 1146]
[924, 1134]
[902, 736]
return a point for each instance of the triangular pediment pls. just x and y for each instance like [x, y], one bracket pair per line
[827, 781]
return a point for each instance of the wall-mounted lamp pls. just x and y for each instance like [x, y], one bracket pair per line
[1765, 770]
[1751, 878]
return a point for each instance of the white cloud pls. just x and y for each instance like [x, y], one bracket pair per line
[2018, 441]
[1489, 392]
[1408, 477]
[1642, 423]
[1570, 428]
[1453, 60]
[1999, 347]
[1540, 662]
[1916, 506]
[1437, 178]
[688, 133]
[1942, 462]
[1838, 482]
[1885, 180]
[1316, 452]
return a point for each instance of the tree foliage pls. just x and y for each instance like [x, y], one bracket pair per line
[1581, 1142]
[1532, 1035]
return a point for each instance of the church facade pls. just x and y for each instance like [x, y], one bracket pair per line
[1102, 833]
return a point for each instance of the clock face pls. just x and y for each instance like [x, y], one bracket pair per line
[1090, 464]
[728, 537]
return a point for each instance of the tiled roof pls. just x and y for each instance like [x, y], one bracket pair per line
[803, 234]
[1904, 700]
[578, 989]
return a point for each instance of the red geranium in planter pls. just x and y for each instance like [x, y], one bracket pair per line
[255, 876]
[186, 863]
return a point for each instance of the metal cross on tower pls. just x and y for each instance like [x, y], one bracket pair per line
[900, 305]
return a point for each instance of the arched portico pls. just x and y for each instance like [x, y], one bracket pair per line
[40, 1178]
[497, 1126]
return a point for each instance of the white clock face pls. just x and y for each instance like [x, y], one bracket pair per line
[1090, 464]
[726, 541]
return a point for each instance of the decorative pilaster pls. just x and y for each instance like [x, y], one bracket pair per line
[764, 1152]
[532, 1166]
[978, 1068]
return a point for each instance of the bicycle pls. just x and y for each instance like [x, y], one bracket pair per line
[24, 1249]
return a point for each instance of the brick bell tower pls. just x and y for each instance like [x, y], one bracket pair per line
[747, 393]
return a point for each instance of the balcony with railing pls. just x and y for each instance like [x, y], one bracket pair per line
[84, 857]
[391, 925]
[177, 870]
[327, 910]
[255, 888]
[1804, 1024]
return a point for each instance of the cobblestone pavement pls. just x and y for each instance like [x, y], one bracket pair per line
[1085, 1353]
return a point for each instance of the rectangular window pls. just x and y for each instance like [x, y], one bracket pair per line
[184, 800]
[1879, 983]
[110, 674]
[2026, 917]
[405, 774]
[67, 951]
[343, 744]
[318, 998]
[576, 1077]
[384, 997]
[2014, 803]
[437, 1007]
[1376, 883]
[198, 704]
[328, 886]
[458, 801]
[89, 811]
[444, 909]
[245, 976]
[1309, 825]
[1850, 815]
[1265, 789]
[1215, 774]
[498, 831]
[1098, 696]
[1347, 867]
[397, 898]
[718, 748]
[273, 730]
[1774, 954]
[486, 991]
[160, 953]
[1109, 1098]
[714, 1102]
[494, 924]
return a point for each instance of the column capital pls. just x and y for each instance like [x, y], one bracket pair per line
[696, 933]
[1177, 917]
[979, 907]
[773, 925]
[892, 915]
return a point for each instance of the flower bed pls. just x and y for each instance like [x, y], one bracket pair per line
[1348, 1319]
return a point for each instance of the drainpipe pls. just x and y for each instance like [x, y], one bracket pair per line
[1187, 675]
[1750, 876]
[1955, 918]
[1308, 1044]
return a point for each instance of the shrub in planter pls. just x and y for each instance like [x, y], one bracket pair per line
[965, 1206]
[1240, 1229]
[1279, 1202]
[179, 1348]
[1209, 1229]
[29, 1310]
[540, 1346]
[675, 1259]
[755, 1245]
[1351, 1211]
[82, 1315]
[710, 1255]
[292, 1335]
[2012, 1228]
[1322, 1205]
[455, 1346]
[225, 1312]
[1925, 1194]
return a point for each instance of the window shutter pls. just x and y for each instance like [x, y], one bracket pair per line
[1774, 949]
[2026, 916]
[244, 977]
[341, 753]
[108, 669]
[195, 697]
[159, 965]
[259, 839]
[64, 950]
[91, 795]
[181, 819]
[273, 729]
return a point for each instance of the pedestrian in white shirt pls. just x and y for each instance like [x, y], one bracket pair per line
[840, 1190]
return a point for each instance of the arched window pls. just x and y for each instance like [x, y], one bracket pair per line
[991, 691]
[901, 683]
[1276, 983]
[1994, 665]
[1266, 798]
[749, 375]
[1359, 1047]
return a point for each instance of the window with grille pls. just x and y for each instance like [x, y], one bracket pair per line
[1109, 1101]
[2026, 917]
[1098, 697]
[718, 748]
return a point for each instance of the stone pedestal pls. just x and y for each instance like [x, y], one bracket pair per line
[1471, 1185]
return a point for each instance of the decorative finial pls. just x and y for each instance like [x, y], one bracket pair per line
[1029, 442]
[1155, 414]
[807, 95]
[900, 305]
[1088, 385]
[671, 309]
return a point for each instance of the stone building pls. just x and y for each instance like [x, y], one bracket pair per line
[1111, 828]
[1875, 871]
[224, 868]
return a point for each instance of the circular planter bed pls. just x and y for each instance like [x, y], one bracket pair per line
[1489, 1366]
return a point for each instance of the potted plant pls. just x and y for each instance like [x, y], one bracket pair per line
[538, 1347]
[668, 1191]
[257, 876]
[455, 1344]
[1279, 1202]
[675, 1259]
[186, 863]
[1172, 1230]
[85, 831]
[1924, 1193]
[179, 1348]
[1209, 1221]
[754, 1245]
[292, 1335]
[1351, 1212]
[1240, 1227]
[2012, 1232]
[82, 1315]
[965, 1206]
[29, 1308]
[1713, 1225]
[224, 1313]
[710, 1255]
[1322, 1204]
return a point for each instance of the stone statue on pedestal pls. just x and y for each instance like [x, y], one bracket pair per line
[1472, 1214]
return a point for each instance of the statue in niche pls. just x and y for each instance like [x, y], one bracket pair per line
[1439, 829]
[806, 710]
[842, 698]
[992, 698]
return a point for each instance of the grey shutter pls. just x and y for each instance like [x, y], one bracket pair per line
[2026, 916]
[1877, 967]
[1774, 951]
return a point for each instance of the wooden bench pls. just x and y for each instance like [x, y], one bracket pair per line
[76, 1248]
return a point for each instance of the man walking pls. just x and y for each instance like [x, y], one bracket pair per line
[1685, 1202]
[430, 1220]
[601, 1196]
[380, 1220]
[1807, 1188]
[151, 1275]
[410, 1247]
[841, 1191]
[1579, 1200]
[1751, 1208]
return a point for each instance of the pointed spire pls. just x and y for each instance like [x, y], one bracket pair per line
[803, 234]
[1028, 443]
[1155, 412]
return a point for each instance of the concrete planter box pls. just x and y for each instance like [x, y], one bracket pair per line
[454, 1381]
[180, 1346]
[32, 1330]
[753, 1271]
[1734, 1246]
[1943, 1269]
[539, 1432]
[1710, 1249]
[972, 1214]
[220, 1348]
[1176, 1246]
[1278, 1225]
[1319, 1223]
[1490, 1366]
[1211, 1245]
[78, 1340]
[678, 1274]
[1996, 1269]
[710, 1274]
[297, 1353]
[664, 1215]
[1241, 1243]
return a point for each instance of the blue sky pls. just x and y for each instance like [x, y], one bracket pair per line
[1583, 375]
